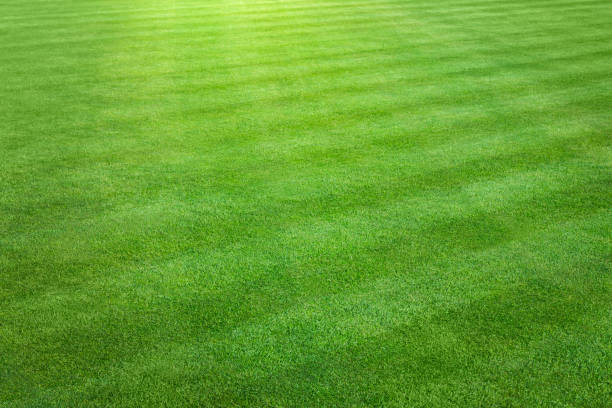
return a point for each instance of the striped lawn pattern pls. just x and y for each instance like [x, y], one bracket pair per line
[401, 203]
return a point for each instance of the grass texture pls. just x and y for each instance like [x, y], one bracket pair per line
[305, 203]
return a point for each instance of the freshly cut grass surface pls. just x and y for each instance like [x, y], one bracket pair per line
[401, 203]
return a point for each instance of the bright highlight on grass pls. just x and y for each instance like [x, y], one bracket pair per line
[296, 203]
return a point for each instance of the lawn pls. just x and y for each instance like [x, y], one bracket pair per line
[306, 203]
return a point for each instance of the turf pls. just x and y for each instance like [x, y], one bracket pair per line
[400, 203]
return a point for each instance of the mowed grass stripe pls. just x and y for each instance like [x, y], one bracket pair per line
[435, 221]
[315, 122]
[356, 113]
[313, 26]
[325, 31]
[335, 147]
[317, 11]
[190, 50]
[304, 14]
[602, 39]
[298, 7]
[426, 180]
[306, 208]
[526, 118]
[370, 302]
[305, 203]
[420, 65]
[142, 285]
[428, 101]
[413, 55]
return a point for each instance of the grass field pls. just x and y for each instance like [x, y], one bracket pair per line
[306, 203]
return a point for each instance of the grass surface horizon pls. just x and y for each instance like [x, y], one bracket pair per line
[305, 203]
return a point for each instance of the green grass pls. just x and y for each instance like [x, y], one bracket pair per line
[296, 203]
